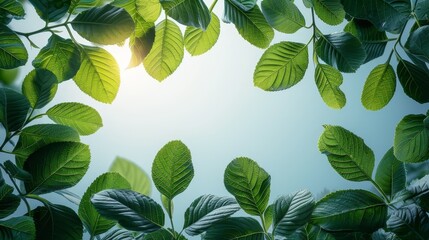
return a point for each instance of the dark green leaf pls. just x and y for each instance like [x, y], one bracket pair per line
[8, 205]
[80, 5]
[18, 228]
[12, 51]
[117, 234]
[243, 228]
[308, 3]
[244, 5]
[330, 11]
[422, 10]
[49, 10]
[390, 175]
[162, 234]
[328, 81]
[418, 190]
[311, 232]
[409, 223]
[379, 87]
[414, 81]
[13, 109]
[17, 172]
[13, 8]
[249, 183]
[198, 41]
[383, 235]
[417, 43]
[40, 87]
[188, 12]
[141, 44]
[283, 16]
[132, 210]
[137, 177]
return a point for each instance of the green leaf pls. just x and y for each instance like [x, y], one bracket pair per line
[390, 175]
[422, 10]
[292, 212]
[148, 10]
[104, 25]
[118, 233]
[198, 41]
[380, 234]
[49, 10]
[12, 51]
[167, 204]
[411, 142]
[140, 45]
[40, 87]
[8, 205]
[350, 210]
[60, 56]
[85, 119]
[162, 234]
[13, 109]
[17, 172]
[328, 81]
[347, 153]
[206, 211]
[167, 51]
[188, 12]
[388, 15]
[138, 179]
[172, 169]
[414, 81]
[308, 3]
[409, 223]
[329, 11]
[57, 166]
[249, 184]
[134, 211]
[312, 232]
[418, 190]
[243, 228]
[244, 5]
[281, 66]
[21, 228]
[268, 216]
[251, 24]
[417, 43]
[13, 8]
[283, 16]
[341, 50]
[379, 87]
[55, 222]
[93, 221]
[80, 5]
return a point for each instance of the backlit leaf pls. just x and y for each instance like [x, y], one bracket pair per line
[149, 10]
[141, 42]
[328, 81]
[243, 228]
[198, 41]
[49, 10]
[379, 87]
[188, 12]
[329, 11]
[13, 109]
[12, 51]
[390, 175]
[283, 16]
[21, 228]
[40, 87]
[136, 176]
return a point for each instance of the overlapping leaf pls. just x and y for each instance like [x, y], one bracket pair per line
[283, 16]
[135, 175]
[141, 42]
[148, 10]
[40, 87]
[330, 11]
[12, 51]
[13, 109]
[162, 234]
[17, 172]
[379, 87]
[13, 8]
[414, 81]
[198, 41]
[21, 228]
[409, 223]
[8, 204]
[328, 82]
[244, 5]
[49, 10]
[390, 175]
[417, 43]
[188, 12]
[243, 228]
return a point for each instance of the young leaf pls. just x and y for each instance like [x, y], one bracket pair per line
[12, 51]
[172, 169]
[188, 12]
[60, 56]
[85, 119]
[341, 50]
[206, 211]
[49, 10]
[268, 216]
[283, 16]
[21, 228]
[281, 66]
[329, 11]
[134, 211]
[328, 81]
[390, 175]
[40, 87]
[409, 223]
[17, 172]
[56, 166]
[167, 51]
[13, 8]
[379, 87]
[8, 205]
[249, 184]
[251, 24]
[347, 153]
[243, 228]
[93, 221]
[350, 210]
[198, 41]
[137, 177]
[414, 81]
[104, 25]
[162, 234]
[13, 109]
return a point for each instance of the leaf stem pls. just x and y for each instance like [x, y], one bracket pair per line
[44, 29]
[314, 37]
[380, 190]
[21, 195]
[212, 6]
[170, 216]
[264, 227]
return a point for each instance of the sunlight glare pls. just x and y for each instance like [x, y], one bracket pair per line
[122, 54]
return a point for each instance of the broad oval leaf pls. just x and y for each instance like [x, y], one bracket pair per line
[49, 10]
[13, 8]
[172, 169]
[12, 51]
[379, 87]
[104, 25]
[60, 56]
[251, 24]
[347, 153]
[249, 184]
[329, 11]
[93, 221]
[243, 228]
[85, 119]
[390, 175]
[409, 223]
[206, 211]
[283, 16]
[167, 51]
[14, 108]
[198, 41]
[148, 10]
[137, 177]
[163, 234]
[328, 82]
[414, 81]
[40, 87]
[244, 5]
[8, 204]
[281, 66]
[21, 228]
[134, 211]
[56, 166]
[350, 210]
[188, 12]
[141, 42]
[417, 43]
[341, 50]
[98, 75]
[422, 10]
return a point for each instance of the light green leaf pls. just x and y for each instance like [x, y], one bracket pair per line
[206, 211]
[14, 108]
[251, 24]
[49, 10]
[281, 66]
[350, 210]
[268, 216]
[8, 205]
[249, 184]
[134, 211]
[17, 228]
[93, 221]
[347, 153]
[167, 51]
[329, 11]
[57, 166]
[328, 81]
[40, 87]
[162, 234]
[12, 51]
[414, 81]
[137, 177]
[379, 87]
[188, 12]
[417, 43]
[167, 204]
[243, 228]
[172, 169]
[141, 42]
[283, 16]
[244, 5]
[85, 119]
[148, 10]
[341, 50]
[98, 75]
[198, 41]
[308, 3]
[390, 175]
[80, 5]
[60, 56]
[409, 223]
[13, 8]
